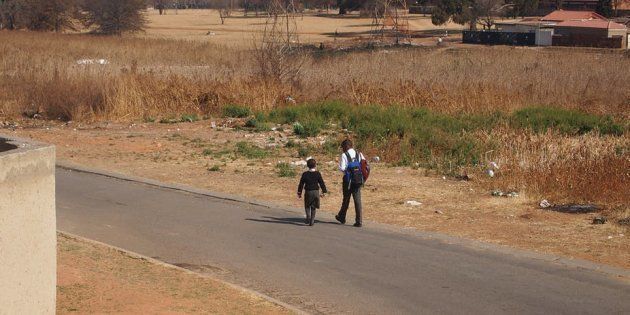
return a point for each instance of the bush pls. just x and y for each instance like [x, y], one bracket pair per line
[250, 151]
[285, 170]
[308, 129]
[115, 16]
[236, 111]
[304, 151]
[189, 118]
[571, 122]
[214, 168]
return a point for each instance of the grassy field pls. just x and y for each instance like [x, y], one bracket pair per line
[555, 120]
[239, 31]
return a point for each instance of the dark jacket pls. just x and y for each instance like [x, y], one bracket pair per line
[311, 181]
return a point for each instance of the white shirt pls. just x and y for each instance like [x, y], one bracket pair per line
[343, 161]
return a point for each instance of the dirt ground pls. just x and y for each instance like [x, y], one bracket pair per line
[198, 155]
[240, 31]
[97, 279]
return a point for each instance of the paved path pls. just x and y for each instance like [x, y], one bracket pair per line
[327, 268]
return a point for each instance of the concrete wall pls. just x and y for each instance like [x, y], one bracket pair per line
[28, 240]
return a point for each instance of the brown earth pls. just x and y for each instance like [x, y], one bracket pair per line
[175, 153]
[98, 279]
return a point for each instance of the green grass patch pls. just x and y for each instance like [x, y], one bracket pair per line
[572, 122]
[285, 170]
[190, 118]
[428, 138]
[250, 151]
[236, 111]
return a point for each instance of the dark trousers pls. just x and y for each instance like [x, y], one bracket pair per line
[311, 204]
[353, 191]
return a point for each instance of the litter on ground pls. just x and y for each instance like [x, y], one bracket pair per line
[568, 208]
[499, 193]
[413, 203]
[92, 62]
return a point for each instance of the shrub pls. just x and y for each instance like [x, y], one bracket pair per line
[207, 152]
[236, 111]
[189, 118]
[214, 168]
[285, 170]
[250, 151]
[304, 151]
[308, 129]
[571, 122]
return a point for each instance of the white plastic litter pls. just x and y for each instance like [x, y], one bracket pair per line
[92, 62]
[413, 203]
[545, 204]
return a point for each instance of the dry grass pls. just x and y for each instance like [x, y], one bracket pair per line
[588, 168]
[162, 78]
[167, 77]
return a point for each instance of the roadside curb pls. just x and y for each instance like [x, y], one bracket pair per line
[447, 239]
[187, 271]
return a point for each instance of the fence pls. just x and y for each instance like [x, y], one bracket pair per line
[499, 38]
[588, 41]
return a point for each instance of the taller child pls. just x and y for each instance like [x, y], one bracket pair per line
[350, 189]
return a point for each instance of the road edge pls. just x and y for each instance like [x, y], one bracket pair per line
[154, 261]
[455, 240]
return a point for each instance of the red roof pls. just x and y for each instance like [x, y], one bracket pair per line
[561, 15]
[593, 24]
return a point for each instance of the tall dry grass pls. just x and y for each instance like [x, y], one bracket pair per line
[168, 77]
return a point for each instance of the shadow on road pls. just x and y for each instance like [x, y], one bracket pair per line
[291, 221]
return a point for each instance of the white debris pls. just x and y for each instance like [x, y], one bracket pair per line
[298, 163]
[376, 159]
[490, 173]
[544, 203]
[439, 212]
[413, 203]
[92, 62]
[213, 125]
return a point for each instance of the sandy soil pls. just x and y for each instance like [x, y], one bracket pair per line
[240, 31]
[96, 279]
[175, 153]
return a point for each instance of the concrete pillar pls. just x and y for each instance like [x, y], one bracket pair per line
[28, 240]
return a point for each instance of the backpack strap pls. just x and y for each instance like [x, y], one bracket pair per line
[348, 157]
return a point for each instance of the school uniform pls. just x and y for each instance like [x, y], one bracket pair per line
[311, 182]
[350, 190]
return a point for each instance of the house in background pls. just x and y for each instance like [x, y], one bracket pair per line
[571, 28]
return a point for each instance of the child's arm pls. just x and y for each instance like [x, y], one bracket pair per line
[322, 185]
[301, 186]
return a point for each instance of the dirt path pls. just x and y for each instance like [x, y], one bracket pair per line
[97, 279]
[185, 153]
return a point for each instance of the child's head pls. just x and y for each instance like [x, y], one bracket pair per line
[311, 163]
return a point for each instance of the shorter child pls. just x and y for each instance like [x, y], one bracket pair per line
[311, 181]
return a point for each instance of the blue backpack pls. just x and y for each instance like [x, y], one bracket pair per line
[354, 175]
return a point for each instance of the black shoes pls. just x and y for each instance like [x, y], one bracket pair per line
[358, 224]
[307, 221]
[338, 218]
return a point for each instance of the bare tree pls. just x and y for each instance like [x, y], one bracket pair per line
[225, 10]
[488, 10]
[161, 5]
[278, 56]
[115, 16]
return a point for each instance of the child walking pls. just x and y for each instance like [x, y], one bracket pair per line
[311, 181]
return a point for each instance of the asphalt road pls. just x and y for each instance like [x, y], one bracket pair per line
[327, 268]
